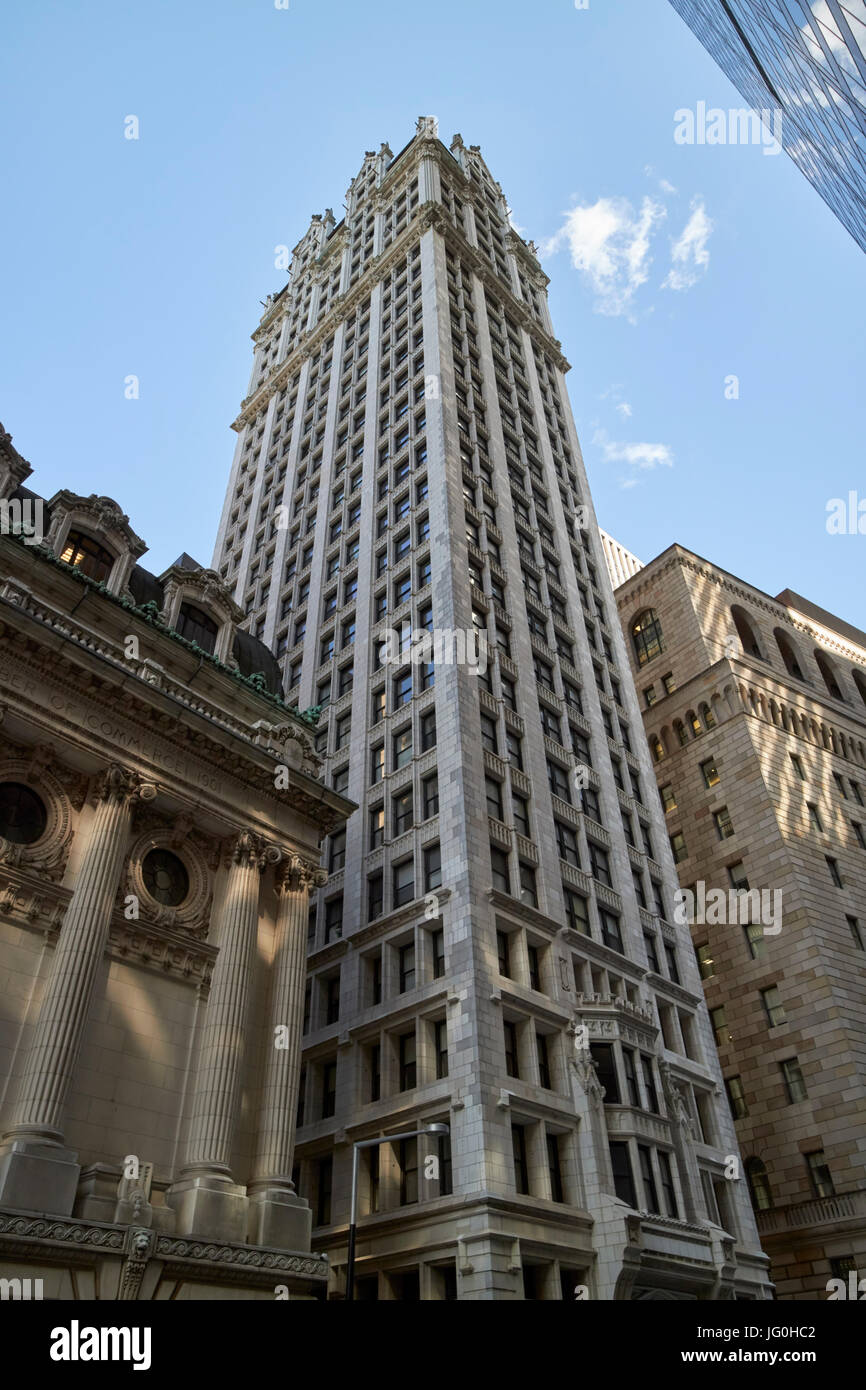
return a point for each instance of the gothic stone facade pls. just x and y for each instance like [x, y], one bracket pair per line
[755, 711]
[160, 821]
[478, 956]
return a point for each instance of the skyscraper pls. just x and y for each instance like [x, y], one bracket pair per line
[408, 524]
[755, 710]
[807, 60]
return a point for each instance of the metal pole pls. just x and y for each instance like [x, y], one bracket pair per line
[350, 1263]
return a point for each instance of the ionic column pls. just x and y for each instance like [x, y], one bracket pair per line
[278, 1111]
[65, 1007]
[218, 1075]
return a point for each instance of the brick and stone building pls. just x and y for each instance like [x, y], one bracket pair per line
[161, 813]
[755, 713]
[494, 948]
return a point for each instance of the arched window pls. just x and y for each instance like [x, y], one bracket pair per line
[681, 732]
[789, 654]
[88, 555]
[23, 816]
[746, 632]
[759, 1184]
[657, 748]
[197, 626]
[825, 666]
[860, 682]
[708, 717]
[694, 724]
[646, 634]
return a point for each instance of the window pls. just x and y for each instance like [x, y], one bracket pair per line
[835, 875]
[724, 825]
[650, 1193]
[611, 934]
[857, 936]
[710, 774]
[798, 767]
[649, 1084]
[678, 847]
[428, 730]
[793, 1078]
[375, 896]
[503, 954]
[566, 841]
[96, 562]
[720, 1026]
[671, 958]
[494, 798]
[432, 868]
[773, 1006]
[403, 747]
[599, 863]
[376, 833]
[623, 1180]
[332, 999]
[402, 689]
[324, 1180]
[819, 1174]
[521, 1168]
[499, 869]
[736, 1097]
[554, 1168]
[197, 626]
[652, 954]
[407, 1161]
[403, 882]
[814, 816]
[630, 1071]
[512, 1055]
[528, 887]
[576, 911]
[440, 1048]
[403, 811]
[329, 1089]
[558, 779]
[669, 1191]
[706, 962]
[377, 763]
[408, 1065]
[647, 637]
[430, 796]
[858, 834]
[759, 1184]
[603, 1060]
[520, 814]
[333, 919]
[336, 851]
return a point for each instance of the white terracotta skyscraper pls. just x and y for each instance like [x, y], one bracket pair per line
[494, 947]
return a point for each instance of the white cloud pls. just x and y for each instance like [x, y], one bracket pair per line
[625, 409]
[610, 244]
[640, 458]
[689, 255]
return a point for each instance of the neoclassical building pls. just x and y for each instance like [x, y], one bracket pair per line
[161, 812]
[755, 712]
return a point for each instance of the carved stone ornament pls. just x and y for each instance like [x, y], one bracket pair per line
[299, 875]
[249, 848]
[47, 856]
[293, 746]
[193, 914]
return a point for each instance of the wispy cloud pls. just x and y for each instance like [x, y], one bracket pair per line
[625, 409]
[610, 244]
[639, 457]
[689, 255]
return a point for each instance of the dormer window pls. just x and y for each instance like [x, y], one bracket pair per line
[88, 555]
[197, 626]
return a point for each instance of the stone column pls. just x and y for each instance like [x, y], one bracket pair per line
[278, 1217]
[36, 1171]
[207, 1201]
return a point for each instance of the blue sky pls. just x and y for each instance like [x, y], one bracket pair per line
[150, 257]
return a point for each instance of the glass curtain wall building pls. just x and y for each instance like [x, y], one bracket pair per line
[807, 60]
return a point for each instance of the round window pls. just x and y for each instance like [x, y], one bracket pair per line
[23, 816]
[165, 877]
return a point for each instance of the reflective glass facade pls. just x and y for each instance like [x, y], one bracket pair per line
[806, 58]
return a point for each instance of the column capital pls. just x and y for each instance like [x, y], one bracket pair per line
[299, 875]
[118, 786]
[253, 850]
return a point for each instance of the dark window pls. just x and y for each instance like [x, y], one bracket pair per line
[197, 626]
[88, 555]
[521, 1169]
[407, 967]
[407, 1160]
[324, 1180]
[603, 1058]
[554, 1168]
[329, 1089]
[512, 1055]
[648, 1179]
[408, 1072]
[623, 1179]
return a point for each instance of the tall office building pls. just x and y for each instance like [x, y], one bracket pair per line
[755, 711]
[807, 60]
[494, 947]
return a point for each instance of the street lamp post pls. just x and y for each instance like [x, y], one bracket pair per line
[438, 1129]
